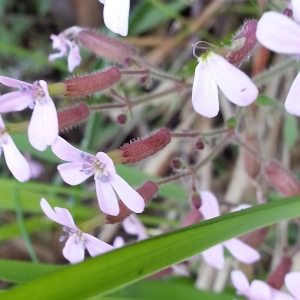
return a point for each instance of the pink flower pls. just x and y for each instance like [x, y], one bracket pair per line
[66, 45]
[132, 225]
[77, 241]
[280, 34]
[115, 15]
[258, 290]
[15, 161]
[292, 281]
[83, 165]
[214, 71]
[43, 126]
[214, 255]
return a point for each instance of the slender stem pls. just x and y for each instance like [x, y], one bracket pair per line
[93, 223]
[106, 107]
[199, 134]
[22, 227]
[173, 178]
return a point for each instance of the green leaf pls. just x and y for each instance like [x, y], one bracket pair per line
[121, 267]
[290, 130]
[264, 100]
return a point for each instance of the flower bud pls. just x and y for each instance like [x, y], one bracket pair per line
[148, 191]
[105, 46]
[177, 164]
[251, 163]
[276, 278]
[69, 117]
[87, 85]
[199, 145]
[137, 151]
[122, 119]
[243, 43]
[255, 238]
[196, 200]
[282, 179]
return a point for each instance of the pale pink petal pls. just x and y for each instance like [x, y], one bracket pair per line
[66, 218]
[292, 103]
[107, 198]
[214, 256]
[36, 168]
[210, 206]
[16, 83]
[49, 212]
[259, 290]
[15, 161]
[296, 10]
[59, 43]
[72, 173]
[95, 246]
[292, 281]
[278, 295]
[241, 207]
[102, 1]
[234, 83]
[180, 270]
[65, 151]
[132, 225]
[74, 58]
[2, 125]
[15, 101]
[107, 161]
[129, 196]
[73, 251]
[205, 97]
[43, 126]
[241, 251]
[118, 242]
[115, 15]
[278, 33]
[240, 282]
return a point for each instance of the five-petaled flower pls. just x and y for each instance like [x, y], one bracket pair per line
[214, 256]
[83, 165]
[65, 43]
[77, 241]
[43, 126]
[15, 161]
[259, 290]
[115, 15]
[214, 71]
[280, 34]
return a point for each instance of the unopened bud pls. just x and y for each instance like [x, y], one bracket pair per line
[87, 85]
[255, 238]
[282, 179]
[137, 151]
[288, 12]
[199, 145]
[243, 43]
[122, 119]
[251, 163]
[276, 278]
[148, 191]
[177, 164]
[196, 200]
[70, 117]
[105, 46]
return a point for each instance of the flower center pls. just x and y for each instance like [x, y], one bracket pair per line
[36, 92]
[88, 165]
[101, 171]
[77, 234]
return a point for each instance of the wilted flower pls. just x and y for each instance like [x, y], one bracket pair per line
[214, 71]
[214, 256]
[258, 290]
[43, 126]
[15, 161]
[115, 15]
[77, 241]
[83, 165]
[66, 44]
[280, 34]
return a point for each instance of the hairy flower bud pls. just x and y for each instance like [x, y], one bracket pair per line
[243, 43]
[69, 117]
[87, 85]
[196, 200]
[251, 163]
[148, 191]
[199, 145]
[276, 278]
[105, 46]
[282, 180]
[137, 151]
